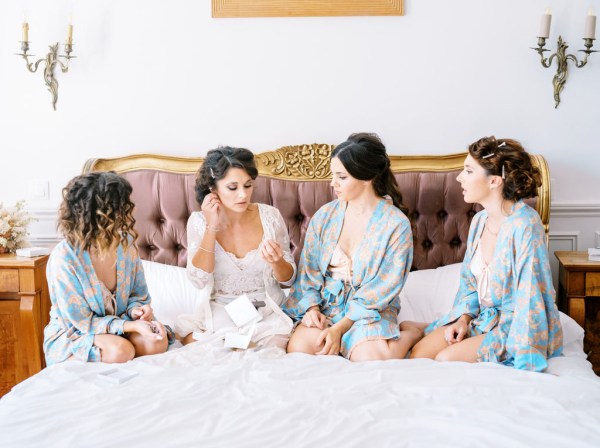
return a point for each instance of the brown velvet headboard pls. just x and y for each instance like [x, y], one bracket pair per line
[295, 179]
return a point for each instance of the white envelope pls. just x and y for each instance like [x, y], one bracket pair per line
[242, 311]
[236, 340]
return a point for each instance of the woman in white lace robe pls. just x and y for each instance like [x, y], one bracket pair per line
[236, 247]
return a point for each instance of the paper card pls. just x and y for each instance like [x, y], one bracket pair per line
[242, 311]
[116, 375]
[32, 251]
[236, 340]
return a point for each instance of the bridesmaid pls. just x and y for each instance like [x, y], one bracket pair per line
[505, 309]
[100, 305]
[357, 254]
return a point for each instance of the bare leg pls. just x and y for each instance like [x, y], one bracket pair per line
[408, 324]
[144, 346]
[382, 349]
[304, 340]
[113, 348]
[188, 339]
[430, 345]
[466, 350]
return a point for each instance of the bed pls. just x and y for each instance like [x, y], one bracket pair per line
[195, 396]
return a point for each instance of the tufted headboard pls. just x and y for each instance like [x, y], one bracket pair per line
[295, 179]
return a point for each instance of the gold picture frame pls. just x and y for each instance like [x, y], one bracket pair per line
[306, 8]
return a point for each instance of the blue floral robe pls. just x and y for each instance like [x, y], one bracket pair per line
[380, 266]
[523, 327]
[77, 312]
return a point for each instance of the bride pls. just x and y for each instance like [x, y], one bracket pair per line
[236, 247]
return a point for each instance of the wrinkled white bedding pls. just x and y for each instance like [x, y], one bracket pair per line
[193, 396]
[204, 397]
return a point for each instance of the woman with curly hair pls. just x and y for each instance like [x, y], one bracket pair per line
[100, 304]
[505, 309]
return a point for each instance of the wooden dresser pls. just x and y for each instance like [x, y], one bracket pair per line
[24, 312]
[579, 297]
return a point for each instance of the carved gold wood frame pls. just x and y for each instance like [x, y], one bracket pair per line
[306, 8]
[310, 163]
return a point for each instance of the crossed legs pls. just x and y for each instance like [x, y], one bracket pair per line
[434, 346]
[117, 349]
[304, 340]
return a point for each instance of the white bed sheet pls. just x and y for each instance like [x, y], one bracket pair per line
[200, 396]
[196, 397]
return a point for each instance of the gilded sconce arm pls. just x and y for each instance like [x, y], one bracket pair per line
[562, 59]
[50, 61]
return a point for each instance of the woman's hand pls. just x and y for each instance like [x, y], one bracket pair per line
[210, 207]
[153, 330]
[143, 312]
[313, 318]
[456, 332]
[332, 337]
[271, 252]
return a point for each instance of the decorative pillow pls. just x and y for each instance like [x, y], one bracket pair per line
[171, 292]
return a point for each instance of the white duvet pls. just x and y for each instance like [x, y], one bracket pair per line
[197, 396]
[194, 396]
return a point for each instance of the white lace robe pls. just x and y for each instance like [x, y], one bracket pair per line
[233, 277]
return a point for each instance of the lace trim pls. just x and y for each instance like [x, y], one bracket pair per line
[241, 263]
[273, 227]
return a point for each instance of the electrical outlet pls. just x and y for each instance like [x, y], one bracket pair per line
[39, 189]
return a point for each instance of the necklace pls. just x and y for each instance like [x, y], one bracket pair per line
[487, 227]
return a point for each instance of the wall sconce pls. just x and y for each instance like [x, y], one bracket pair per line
[561, 55]
[51, 60]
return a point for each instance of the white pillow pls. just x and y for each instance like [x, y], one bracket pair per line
[572, 336]
[429, 294]
[171, 292]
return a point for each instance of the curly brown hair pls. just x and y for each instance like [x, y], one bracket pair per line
[507, 158]
[97, 212]
[217, 163]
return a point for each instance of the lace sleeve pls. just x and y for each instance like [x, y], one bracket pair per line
[195, 233]
[283, 239]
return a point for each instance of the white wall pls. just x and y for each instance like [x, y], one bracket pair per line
[163, 76]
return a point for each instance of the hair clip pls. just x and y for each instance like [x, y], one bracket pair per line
[212, 173]
[503, 173]
[491, 154]
[502, 144]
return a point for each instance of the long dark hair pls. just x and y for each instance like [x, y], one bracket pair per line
[507, 158]
[217, 163]
[364, 156]
[97, 211]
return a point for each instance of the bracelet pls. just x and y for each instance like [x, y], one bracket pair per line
[206, 250]
[211, 228]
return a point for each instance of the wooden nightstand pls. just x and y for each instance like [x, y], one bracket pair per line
[579, 282]
[24, 312]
